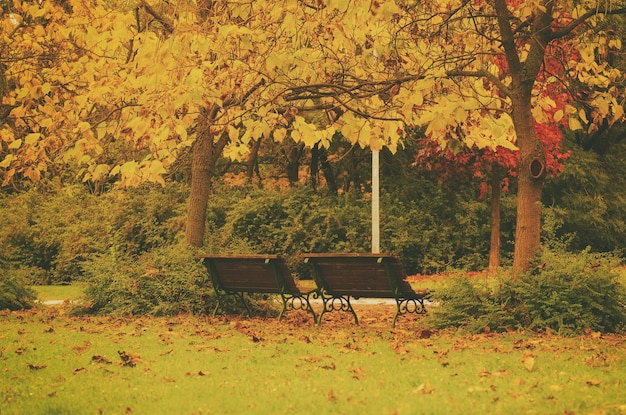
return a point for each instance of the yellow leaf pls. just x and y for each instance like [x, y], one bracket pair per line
[100, 171]
[32, 138]
[233, 133]
[7, 161]
[558, 115]
[15, 145]
[46, 123]
[279, 134]
[23, 93]
[181, 131]
[365, 135]
[83, 126]
[35, 11]
[574, 124]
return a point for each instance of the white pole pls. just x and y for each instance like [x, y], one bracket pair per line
[375, 203]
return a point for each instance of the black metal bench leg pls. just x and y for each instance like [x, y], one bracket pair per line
[408, 305]
[308, 305]
[218, 296]
[282, 312]
[336, 304]
[296, 302]
[243, 300]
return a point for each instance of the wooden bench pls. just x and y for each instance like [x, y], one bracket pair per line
[262, 274]
[341, 277]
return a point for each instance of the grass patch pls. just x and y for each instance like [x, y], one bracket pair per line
[72, 292]
[56, 364]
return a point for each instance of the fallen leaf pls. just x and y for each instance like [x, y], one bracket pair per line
[331, 396]
[529, 362]
[594, 382]
[424, 334]
[311, 359]
[425, 389]
[100, 359]
[36, 367]
[358, 373]
[329, 367]
[128, 359]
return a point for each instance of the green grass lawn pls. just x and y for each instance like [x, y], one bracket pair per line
[52, 363]
[59, 292]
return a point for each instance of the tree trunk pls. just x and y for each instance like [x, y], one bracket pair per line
[293, 154]
[205, 153]
[329, 174]
[496, 193]
[530, 177]
[201, 177]
[314, 166]
[252, 164]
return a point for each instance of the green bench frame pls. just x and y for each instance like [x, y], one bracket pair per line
[260, 274]
[341, 277]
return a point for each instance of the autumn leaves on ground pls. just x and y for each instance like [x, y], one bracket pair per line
[56, 363]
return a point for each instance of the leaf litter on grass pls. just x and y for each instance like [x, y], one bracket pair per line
[235, 364]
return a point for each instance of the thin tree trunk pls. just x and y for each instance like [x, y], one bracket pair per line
[496, 193]
[327, 169]
[252, 159]
[293, 153]
[314, 166]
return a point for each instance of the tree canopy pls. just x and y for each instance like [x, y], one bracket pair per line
[124, 89]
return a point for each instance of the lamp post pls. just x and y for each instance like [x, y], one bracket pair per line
[375, 203]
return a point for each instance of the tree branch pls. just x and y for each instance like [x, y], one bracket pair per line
[482, 74]
[566, 30]
[168, 27]
[508, 39]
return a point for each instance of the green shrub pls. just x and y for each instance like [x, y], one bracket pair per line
[164, 281]
[15, 294]
[287, 222]
[564, 293]
[474, 304]
[53, 232]
[567, 293]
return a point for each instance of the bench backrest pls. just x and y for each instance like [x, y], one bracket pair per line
[359, 275]
[250, 273]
